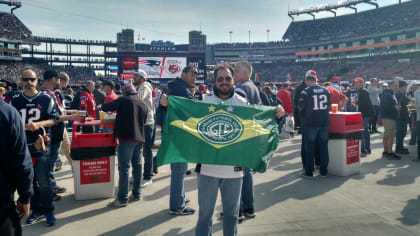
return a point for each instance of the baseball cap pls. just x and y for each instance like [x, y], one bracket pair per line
[311, 72]
[142, 73]
[201, 86]
[129, 89]
[359, 79]
[335, 79]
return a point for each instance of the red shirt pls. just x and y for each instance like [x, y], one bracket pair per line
[111, 97]
[285, 98]
[87, 101]
[336, 95]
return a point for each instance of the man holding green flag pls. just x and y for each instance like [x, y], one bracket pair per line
[228, 131]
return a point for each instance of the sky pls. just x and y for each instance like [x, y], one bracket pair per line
[167, 19]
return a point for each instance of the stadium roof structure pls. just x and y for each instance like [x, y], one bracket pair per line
[331, 7]
[14, 3]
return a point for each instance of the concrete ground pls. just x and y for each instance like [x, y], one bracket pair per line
[384, 199]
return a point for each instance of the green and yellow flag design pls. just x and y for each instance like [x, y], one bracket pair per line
[218, 133]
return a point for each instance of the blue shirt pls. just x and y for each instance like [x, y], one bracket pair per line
[314, 105]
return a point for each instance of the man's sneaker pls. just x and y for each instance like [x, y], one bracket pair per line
[306, 176]
[33, 218]
[249, 213]
[58, 190]
[363, 154]
[386, 155]
[133, 198]
[117, 203]
[394, 156]
[323, 175]
[403, 151]
[50, 219]
[182, 212]
[241, 216]
[146, 182]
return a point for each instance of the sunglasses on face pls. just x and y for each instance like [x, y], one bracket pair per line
[27, 79]
[194, 72]
[227, 78]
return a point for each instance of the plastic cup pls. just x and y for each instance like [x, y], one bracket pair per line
[334, 108]
[101, 115]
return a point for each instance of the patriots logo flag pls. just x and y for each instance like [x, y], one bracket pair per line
[152, 63]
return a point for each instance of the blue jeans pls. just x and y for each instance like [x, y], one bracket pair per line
[147, 152]
[247, 196]
[401, 133]
[316, 138]
[129, 151]
[177, 193]
[230, 190]
[53, 156]
[366, 135]
[42, 200]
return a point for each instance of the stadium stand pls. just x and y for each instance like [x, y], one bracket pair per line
[11, 28]
[389, 18]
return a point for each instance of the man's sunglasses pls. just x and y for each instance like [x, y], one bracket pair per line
[227, 78]
[193, 72]
[27, 79]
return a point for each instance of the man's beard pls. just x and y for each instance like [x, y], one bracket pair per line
[29, 87]
[218, 92]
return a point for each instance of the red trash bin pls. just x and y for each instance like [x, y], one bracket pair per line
[344, 143]
[93, 157]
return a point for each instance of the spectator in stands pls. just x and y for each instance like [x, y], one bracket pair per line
[388, 109]
[374, 92]
[364, 105]
[402, 119]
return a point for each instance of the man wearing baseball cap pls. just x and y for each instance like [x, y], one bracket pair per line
[145, 92]
[335, 80]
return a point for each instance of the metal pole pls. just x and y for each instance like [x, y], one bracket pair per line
[268, 35]
[230, 36]
[249, 37]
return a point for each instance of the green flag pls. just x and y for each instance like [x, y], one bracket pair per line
[218, 133]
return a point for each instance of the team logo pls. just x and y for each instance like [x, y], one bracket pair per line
[220, 128]
[173, 66]
[151, 63]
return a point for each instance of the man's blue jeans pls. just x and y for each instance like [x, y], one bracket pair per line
[401, 133]
[42, 200]
[247, 196]
[129, 151]
[147, 152]
[177, 194]
[316, 136]
[366, 135]
[53, 156]
[230, 190]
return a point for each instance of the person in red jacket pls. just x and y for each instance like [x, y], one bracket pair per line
[286, 99]
[87, 101]
[337, 97]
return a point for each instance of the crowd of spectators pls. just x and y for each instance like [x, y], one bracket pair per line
[379, 20]
[12, 28]
[270, 44]
[385, 70]
[11, 71]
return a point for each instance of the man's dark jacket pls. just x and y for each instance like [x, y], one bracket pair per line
[131, 116]
[387, 106]
[364, 104]
[16, 170]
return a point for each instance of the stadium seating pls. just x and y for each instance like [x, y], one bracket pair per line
[12, 28]
[384, 19]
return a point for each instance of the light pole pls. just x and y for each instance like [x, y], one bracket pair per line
[249, 37]
[268, 35]
[230, 36]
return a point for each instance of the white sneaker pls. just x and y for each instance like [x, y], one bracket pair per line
[117, 203]
[146, 182]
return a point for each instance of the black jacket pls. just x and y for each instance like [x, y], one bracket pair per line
[16, 170]
[364, 103]
[179, 88]
[131, 116]
[387, 105]
[403, 101]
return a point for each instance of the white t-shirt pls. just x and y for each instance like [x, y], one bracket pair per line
[222, 171]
